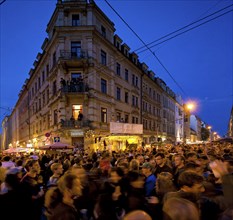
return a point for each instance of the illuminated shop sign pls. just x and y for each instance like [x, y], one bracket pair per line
[125, 128]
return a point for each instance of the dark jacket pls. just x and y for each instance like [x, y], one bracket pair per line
[64, 212]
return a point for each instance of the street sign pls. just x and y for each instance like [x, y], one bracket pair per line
[56, 139]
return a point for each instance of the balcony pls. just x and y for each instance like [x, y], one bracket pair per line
[79, 87]
[70, 59]
[71, 124]
[68, 55]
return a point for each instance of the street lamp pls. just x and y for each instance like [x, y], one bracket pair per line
[210, 133]
[189, 107]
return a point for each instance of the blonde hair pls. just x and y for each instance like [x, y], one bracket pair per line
[178, 208]
[55, 166]
[134, 165]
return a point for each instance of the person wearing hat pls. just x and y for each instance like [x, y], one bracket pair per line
[150, 180]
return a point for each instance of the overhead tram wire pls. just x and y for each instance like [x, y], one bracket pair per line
[190, 24]
[123, 58]
[186, 31]
[146, 47]
[2, 2]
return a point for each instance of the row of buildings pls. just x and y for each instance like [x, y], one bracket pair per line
[88, 88]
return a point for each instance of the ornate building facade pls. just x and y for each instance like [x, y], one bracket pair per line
[87, 83]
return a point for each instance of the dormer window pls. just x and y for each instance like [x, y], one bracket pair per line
[126, 52]
[75, 20]
[103, 31]
[118, 45]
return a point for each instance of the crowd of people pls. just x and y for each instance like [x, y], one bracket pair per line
[177, 182]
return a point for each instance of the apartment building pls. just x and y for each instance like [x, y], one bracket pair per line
[87, 87]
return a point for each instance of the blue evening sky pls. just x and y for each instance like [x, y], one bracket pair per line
[200, 60]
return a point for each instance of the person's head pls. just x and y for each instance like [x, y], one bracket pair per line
[191, 182]
[137, 215]
[80, 173]
[69, 185]
[180, 209]
[57, 168]
[159, 159]
[136, 180]
[164, 183]
[32, 166]
[147, 169]
[179, 160]
[124, 166]
[191, 157]
[134, 165]
[116, 174]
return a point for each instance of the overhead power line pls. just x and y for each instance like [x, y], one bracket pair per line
[2, 2]
[123, 58]
[146, 47]
[186, 31]
[188, 25]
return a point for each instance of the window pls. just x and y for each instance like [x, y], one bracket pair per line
[134, 80]
[39, 104]
[126, 75]
[118, 95]
[76, 77]
[43, 76]
[135, 101]
[118, 116]
[54, 58]
[134, 120]
[118, 45]
[39, 82]
[103, 31]
[158, 97]
[76, 109]
[47, 70]
[36, 87]
[118, 69]
[54, 87]
[103, 57]
[126, 97]
[126, 118]
[47, 96]
[103, 86]
[43, 99]
[75, 20]
[76, 49]
[55, 117]
[104, 115]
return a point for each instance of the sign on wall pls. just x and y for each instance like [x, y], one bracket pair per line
[125, 128]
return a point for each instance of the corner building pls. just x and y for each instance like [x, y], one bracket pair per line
[87, 88]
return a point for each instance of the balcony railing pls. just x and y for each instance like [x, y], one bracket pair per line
[75, 87]
[75, 123]
[67, 54]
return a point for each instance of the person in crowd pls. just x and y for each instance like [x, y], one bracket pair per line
[32, 184]
[179, 162]
[134, 165]
[180, 209]
[191, 157]
[59, 202]
[161, 165]
[137, 215]
[164, 184]
[57, 171]
[150, 179]
[7, 163]
[14, 203]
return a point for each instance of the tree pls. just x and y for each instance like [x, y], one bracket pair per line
[205, 134]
